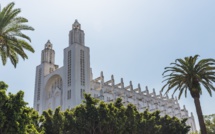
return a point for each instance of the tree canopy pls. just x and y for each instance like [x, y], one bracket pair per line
[15, 116]
[210, 123]
[91, 117]
[98, 117]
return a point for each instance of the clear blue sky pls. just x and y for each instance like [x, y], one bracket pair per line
[133, 39]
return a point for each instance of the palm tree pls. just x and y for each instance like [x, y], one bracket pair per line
[189, 75]
[12, 40]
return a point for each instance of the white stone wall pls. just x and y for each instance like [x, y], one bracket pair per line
[108, 91]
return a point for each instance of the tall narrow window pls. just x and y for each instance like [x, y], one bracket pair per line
[39, 84]
[82, 93]
[69, 94]
[61, 84]
[38, 106]
[82, 66]
[50, 58]
[69, 69]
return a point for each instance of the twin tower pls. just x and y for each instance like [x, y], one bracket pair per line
[66, 85]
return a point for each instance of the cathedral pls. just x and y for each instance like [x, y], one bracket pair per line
[64, 86]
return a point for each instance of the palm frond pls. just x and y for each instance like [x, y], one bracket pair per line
[3, 56]
[188, 74]
[26, 45]
[13, 41]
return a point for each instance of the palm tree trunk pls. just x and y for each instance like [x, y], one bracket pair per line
[200, 116]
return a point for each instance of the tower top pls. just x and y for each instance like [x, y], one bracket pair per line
[76, 25]
[48, 45]
[76, 35]
[48, 53]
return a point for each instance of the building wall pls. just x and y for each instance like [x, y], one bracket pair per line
[108, 91]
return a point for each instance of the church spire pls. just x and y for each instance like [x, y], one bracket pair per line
[76, 35]
[76, 25]
[48, 54]
[48, 45]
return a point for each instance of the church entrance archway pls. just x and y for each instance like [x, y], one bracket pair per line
[53, 92]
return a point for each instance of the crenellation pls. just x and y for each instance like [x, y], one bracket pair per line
[118, 85]
[154, 93]
[108, 83]
[112, 80]
[155, 102]
[97, 79]
[137, 90]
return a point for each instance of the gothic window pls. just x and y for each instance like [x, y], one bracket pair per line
[82, 93]
[82, 66]
[69, 94]
[69, 69]
[39, 84]
[60, 83]
[38, 106]
[50, 60]
[55, 84]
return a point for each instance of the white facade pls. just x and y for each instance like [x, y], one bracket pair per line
[65, 86]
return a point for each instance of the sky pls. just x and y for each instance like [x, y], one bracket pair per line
[131, 39]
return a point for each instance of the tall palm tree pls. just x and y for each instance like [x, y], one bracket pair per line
[12, 41]
[188, 75]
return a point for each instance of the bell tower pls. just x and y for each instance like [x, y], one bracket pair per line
[46, 67]
[77, 67]
[48, 54]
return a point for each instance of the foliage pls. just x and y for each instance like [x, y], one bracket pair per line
[15, 116]
[12, 40]
[210, 123]
[97, 117]
[90, 117]
[188, 75]
[53, 123]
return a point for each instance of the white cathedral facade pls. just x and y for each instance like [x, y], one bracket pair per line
[66, 85]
